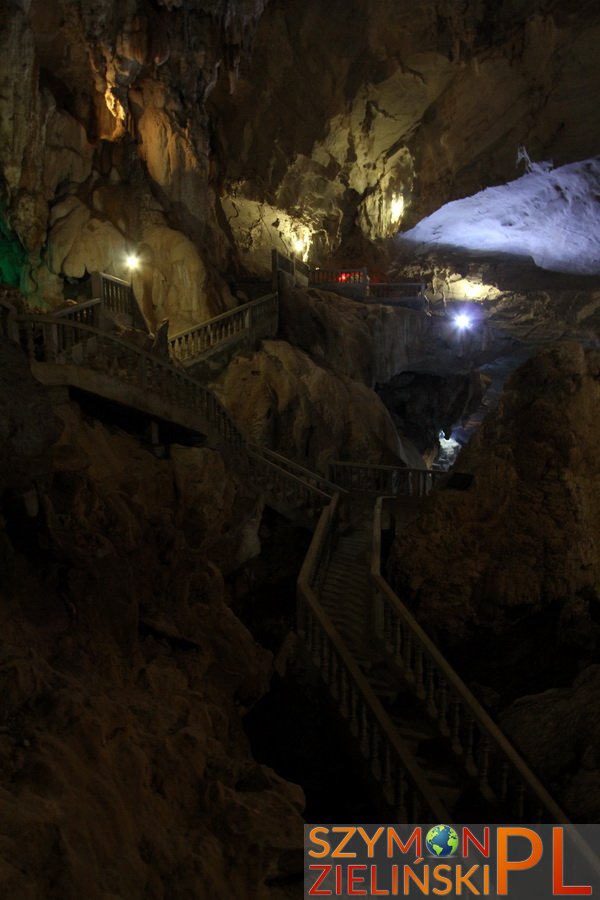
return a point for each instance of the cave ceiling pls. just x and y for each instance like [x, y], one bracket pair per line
[204, 133]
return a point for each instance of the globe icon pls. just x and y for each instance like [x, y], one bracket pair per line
[441, 841]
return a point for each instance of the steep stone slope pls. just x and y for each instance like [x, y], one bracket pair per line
[283, 400]
[124, 769]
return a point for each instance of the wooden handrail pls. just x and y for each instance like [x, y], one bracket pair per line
[446, 676]
[378, 738]
[381, 467]
[326, 485]
[377, 479]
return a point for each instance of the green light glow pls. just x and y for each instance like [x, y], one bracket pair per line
[12, 256]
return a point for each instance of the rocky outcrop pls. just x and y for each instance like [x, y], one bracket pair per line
[559, 733]
[521, 538]
[401, 110]
[282, 399]
[124, 767]
[368, 343]
[199, 115]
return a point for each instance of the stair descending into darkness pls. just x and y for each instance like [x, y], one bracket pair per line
[346, 597]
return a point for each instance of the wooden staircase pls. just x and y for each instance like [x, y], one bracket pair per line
[346, 597]
[432, 748]
[434, 751]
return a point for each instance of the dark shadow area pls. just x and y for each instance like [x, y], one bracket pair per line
[133, 422]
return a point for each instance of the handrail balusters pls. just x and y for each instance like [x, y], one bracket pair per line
[473, 736]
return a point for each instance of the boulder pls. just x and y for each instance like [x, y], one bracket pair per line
[283, 400]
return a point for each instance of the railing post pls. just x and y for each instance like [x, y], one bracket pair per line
[377, 623]
[51, 341]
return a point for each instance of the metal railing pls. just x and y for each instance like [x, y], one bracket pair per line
[61, 342]
[352, 283]
[403, 783]
[392, 481]
[250, 322]
[294, 468]
[340, 277]
[501, 774]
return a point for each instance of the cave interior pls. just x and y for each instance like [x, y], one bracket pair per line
[299, 482]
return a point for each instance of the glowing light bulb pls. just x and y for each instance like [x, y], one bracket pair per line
[462, 321]
[132, 261]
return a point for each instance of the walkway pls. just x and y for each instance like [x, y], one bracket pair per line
[435, 752]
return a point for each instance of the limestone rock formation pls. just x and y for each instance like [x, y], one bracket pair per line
[368, 343]
[124, 673]
[522, 537]
[368, 116]
[283, 400]
[559, 732]
[433, 107]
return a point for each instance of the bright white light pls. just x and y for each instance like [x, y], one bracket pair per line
[462, 321]
[551, 216]
[132, 261]
[397, 208]
[299, 246]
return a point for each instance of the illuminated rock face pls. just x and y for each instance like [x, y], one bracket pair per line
[248, 126]
[372, 115]
[550, 216]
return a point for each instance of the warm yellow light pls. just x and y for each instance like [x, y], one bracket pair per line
[397, 208]
[464, 289]
[301, 241]
[472, 291]
[132, 261]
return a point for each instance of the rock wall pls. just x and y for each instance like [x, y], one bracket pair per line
[124, 768]
[521, 538]
[244, 125]
[373, 115]
[283, 400]
[105, 144]
[559, 732]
